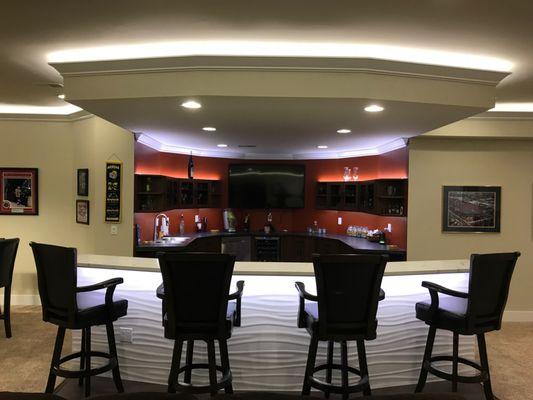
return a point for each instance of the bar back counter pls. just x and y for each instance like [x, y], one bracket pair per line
[268, 352]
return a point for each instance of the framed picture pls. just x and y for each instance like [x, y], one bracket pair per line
[82, 212]
[19, 194]
[471, 208]
[83, 182]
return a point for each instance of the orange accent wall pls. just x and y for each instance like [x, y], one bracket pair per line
[390, 165]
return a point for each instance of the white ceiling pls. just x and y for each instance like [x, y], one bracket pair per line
[30, 31]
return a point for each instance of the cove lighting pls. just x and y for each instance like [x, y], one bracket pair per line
[513, 107]
[321, 147]
[344, 131]
[191, 104]
[209, 128]
[374, 108]
[281, 49]
[222, 145]
[38, 110]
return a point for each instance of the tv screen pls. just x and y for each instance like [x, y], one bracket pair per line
[266, 185]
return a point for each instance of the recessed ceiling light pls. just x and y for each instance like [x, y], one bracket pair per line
[374, 108]
[191, 104]
[61, 96]
[209, 128]
[344, 130]
[222, 145]
[321, 147]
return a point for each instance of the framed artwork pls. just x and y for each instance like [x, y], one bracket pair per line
[471, 208]
[82, 212]
[83, 182]
[19, 191]
[113, 190]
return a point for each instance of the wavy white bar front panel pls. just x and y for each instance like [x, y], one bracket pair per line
[269, 352]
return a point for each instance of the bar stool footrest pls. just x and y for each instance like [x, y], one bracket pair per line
[481, 377]
[224, 381]
[328, 387]
[66, 373]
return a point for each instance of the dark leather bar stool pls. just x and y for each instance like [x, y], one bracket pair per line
[71, 307]
[344, 309]
[474, 313]
[8, 253]
[195, 307]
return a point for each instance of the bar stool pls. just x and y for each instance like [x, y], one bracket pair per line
[195, 307]
[8, 253]
[344, 309]
[71, 307]
[474, 313]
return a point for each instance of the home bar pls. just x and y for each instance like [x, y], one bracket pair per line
[188, 211]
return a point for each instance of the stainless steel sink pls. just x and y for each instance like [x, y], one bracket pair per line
[172, 240]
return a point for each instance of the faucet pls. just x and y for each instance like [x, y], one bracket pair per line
[164, 226]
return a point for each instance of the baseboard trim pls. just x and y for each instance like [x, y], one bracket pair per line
[25, 300]
[518, 316]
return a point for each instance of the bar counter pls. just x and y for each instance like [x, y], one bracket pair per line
[269, 352]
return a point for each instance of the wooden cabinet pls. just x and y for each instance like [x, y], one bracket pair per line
[156, 193]
[297, 248]
[381, 196]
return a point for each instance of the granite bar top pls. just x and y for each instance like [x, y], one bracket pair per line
[354, 242]
[274, 268]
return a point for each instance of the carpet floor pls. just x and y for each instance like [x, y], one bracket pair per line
[25, 358]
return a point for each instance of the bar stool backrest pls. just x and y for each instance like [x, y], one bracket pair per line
[348, 289]
[57, 281]
[490, 278]
[196, 290]
[8, 253]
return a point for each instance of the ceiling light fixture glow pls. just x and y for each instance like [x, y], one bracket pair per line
[222, 145]
[373, 108]
[322, 146]
[61, 96]
[512, 107]
[191, 104]
[344, 130]
[209, 128]
[281, 49]
[38, 110]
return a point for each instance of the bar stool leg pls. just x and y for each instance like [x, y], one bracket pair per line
[176, 359]
[363, 367]
[455, 362]
[224, 358]
[487, 387]
[113, 353]
[426, 360]
[188, 361]
[344, 370]
[88, 362]
[55, 360]
[7, 310]
[212, 366]
[311, 356]
[82, 357]
[330, 362]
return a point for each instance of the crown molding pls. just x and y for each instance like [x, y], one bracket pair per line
[77, 116]
[317, 155]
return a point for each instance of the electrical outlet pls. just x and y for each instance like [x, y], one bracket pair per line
[114, 230]
[339, 221]
[125, 335]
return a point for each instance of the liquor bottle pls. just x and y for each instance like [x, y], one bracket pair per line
[204, 224]
[182, 225]
[247, 223]
[190, 168]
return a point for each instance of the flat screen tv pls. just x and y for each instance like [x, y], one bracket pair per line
[266, 186]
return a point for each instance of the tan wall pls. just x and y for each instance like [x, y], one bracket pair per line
[434, 162]
[58, 149]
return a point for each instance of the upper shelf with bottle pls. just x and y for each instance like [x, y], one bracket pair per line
[386, 197]
[155, 193]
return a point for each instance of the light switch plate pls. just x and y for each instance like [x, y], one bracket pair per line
[339, 221]
[114, 230]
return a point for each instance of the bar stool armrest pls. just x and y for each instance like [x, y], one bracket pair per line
[110, 285]
[237, 296]
[160, 291]
[303, 295]
[434, 291]
[381, 294]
